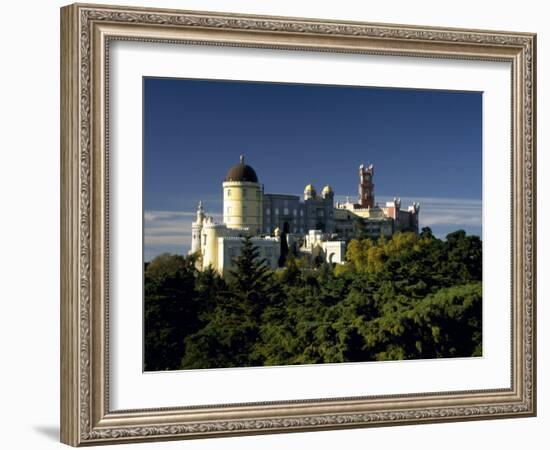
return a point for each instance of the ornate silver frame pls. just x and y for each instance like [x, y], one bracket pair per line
[86, 31]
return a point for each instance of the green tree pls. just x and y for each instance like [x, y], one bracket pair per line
[359, 229]
[444, 324]
[407, 297]
[229, 338]
[170, 310]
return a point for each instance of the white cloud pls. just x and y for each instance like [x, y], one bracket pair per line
[174, 240]
[151, 216]
[168, 231]
[452, 212]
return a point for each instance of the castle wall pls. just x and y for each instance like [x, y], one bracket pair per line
[279, 209]
[320, 213]
[229, 248]
[335, 251]
[211, 233]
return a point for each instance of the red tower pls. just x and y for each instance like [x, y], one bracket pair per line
[366, 186]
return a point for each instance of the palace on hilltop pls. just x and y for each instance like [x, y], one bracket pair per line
[314, 226]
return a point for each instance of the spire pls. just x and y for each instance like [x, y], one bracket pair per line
[200, 213]
[241, 158]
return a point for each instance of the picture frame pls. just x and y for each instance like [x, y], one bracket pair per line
[87, 32]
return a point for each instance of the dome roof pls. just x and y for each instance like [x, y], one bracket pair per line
[309, 188]
[241, 172]
[327, 190]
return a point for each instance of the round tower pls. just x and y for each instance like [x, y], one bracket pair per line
[242, 198]
[211, 232]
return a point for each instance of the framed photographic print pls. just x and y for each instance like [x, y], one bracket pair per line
[275, 224]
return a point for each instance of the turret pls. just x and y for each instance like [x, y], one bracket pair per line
[196, 228]
[327, 192]
[309, 192]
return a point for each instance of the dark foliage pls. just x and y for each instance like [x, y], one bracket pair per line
[407, 297]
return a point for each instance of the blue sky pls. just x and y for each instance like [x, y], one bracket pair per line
[426, 146]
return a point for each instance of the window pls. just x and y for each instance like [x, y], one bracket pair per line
[244, 192]
[267, 230]
[276, 211]
[244, 210]
[229, 192]
[268, 212]
[302, 213]
[286, 211]
[228, 210]
[295, 212]
[257, 194]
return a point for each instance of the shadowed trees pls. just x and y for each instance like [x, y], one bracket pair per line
[233, 328]
[408, 297]
[170, 310]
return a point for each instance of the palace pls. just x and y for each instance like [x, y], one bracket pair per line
[278, 223]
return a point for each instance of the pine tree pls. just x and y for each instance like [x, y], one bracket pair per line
[230, 337]
[170, 310]
[251, 280]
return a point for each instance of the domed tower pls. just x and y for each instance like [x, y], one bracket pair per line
[242, 198]
[327, 192]
[309, 192]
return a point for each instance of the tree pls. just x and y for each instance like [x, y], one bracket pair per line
[292, 273]
[170, 310]
[359, 228]
[464, 256]
[426, 233]
[444, 324]
[407, 297]
[229, 338]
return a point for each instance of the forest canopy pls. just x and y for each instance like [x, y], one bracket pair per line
[408, 297]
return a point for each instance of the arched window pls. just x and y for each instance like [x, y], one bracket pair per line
[229, 192]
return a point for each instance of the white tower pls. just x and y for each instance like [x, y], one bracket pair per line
[197, 230]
